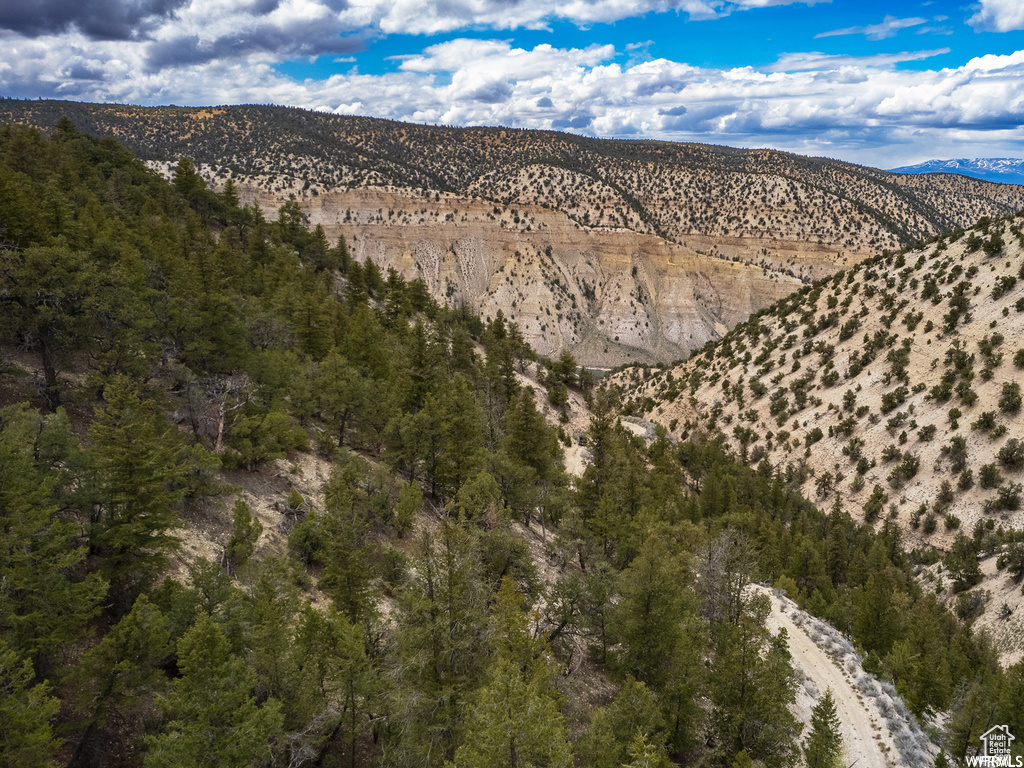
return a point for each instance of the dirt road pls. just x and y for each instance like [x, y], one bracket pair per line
[865, 735]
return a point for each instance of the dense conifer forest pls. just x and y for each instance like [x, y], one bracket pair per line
[158, 340]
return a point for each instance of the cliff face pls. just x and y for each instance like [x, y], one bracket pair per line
[616, 250]
[609, 296]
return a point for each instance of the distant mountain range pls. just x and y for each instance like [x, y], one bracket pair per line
[1004, 170]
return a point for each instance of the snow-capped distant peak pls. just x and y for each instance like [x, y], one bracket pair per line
[1005, 170]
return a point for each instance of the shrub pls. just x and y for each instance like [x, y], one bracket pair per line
[1018, 358]
[967, 395]
[966, 480]
[1007, 497]
[873, 506]
[956, 452]
[813, 436]
[1010, 399]
[1003, 285]
[1011, 455]
[905, 470]
[970, 604]
[890, 453]
[945, 497]
[985, 421]
[1013, 560]
[989, 476]
[896, 398]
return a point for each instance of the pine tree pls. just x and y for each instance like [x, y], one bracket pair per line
[27, 712]
[126, 665]
[513, 722]
[338, 681]
[41, 608]
[514, 719]
[823, 747]
[647, 620]
[347, 574]
[245, 532]
[214, 718]
[613, 729]
[753, 687]
[462, 438]
[137, 457]
[643, 754]
[49, 295]
[122, 671]
[439, 648]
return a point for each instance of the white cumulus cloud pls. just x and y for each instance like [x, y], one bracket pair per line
[998, 15]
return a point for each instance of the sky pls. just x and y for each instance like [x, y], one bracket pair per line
[879, 83]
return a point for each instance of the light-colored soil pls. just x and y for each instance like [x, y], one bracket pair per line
[1008, 633]
[997, 588]
[730, 391]
[868, 734]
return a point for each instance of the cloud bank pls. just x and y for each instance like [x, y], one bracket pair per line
[857, 107]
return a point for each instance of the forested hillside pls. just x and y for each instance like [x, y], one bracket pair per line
[450, 595]
[616, 251]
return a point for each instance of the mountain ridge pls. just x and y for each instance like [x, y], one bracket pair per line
[650, 249]
[861, 404]
[1001, 170]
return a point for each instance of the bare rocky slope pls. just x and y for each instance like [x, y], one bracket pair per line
[616, 250]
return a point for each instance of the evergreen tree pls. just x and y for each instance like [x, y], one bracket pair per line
[613, 729]
[752, 688]
[50, 296]
[347, 574]
[137, 458]
[27, 712]
[214, 719]
[647, 620]
[46, 601]
[643, 754]
[121, 672]
[823, 747]
[513, 722]
[338, 682]
[462, 438]
[245, 532]
[439, 650]
[514, 719]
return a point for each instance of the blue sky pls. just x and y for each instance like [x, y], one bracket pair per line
[879, 83]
